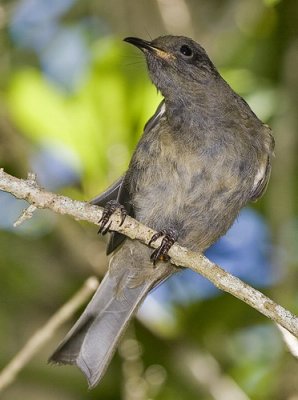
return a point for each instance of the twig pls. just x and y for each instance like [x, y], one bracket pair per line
[44, 334]
[26, 214]
[35, 195]
[198, 367]
[290, 341]
[205, 371]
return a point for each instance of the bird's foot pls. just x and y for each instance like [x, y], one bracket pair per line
[110, 208]
[161, 253]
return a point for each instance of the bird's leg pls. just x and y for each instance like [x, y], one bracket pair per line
[108, 211]
[161, 253]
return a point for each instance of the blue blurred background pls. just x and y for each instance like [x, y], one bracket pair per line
[73, 102]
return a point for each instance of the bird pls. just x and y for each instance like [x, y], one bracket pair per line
[203, 156]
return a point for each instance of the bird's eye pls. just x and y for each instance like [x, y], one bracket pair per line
[186, 50]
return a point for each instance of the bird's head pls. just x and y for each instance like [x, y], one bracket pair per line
[175, 63]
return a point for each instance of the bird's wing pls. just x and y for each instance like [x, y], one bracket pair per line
[119, 191]
[110, 194]
[124, 199]
[155, 117]
[263, 174]
[261, 180]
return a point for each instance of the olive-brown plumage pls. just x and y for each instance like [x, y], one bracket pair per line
[202, 157]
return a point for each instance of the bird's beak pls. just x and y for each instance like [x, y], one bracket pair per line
[140, 43]
[145, 45]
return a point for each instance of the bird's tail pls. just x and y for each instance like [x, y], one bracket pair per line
[92, 341]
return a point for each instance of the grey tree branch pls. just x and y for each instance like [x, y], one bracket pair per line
[38, 197]
[45, 333]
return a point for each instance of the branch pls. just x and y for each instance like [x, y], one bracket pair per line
[44, 334]
[38, 197]
[203, 370]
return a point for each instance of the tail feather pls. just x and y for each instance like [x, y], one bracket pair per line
[92, 341]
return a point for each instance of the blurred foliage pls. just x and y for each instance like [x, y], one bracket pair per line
[102, 146]
[73, 103]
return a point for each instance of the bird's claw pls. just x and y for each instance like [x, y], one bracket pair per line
[161, 253]
[108, 211]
